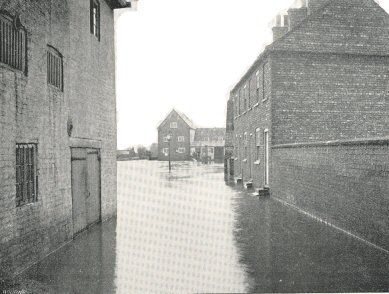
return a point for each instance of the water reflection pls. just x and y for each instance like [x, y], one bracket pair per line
[285, 251]
[174, 232]
[188, 232]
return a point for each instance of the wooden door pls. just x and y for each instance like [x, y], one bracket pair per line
[86, 196]
[79, 189]
[93, 185]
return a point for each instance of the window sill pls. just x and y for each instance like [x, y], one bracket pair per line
[244, 160]
[256, 104]
[264, 100]
[258, 162]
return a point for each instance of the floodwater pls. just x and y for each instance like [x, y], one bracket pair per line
[190, 232]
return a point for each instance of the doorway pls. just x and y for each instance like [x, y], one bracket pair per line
[266, 156]
[86, 189]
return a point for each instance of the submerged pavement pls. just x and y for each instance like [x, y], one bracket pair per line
[189, 232]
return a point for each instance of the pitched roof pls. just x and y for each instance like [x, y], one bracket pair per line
[188, 121]
[362, 28]
[211, 133]
[180, 114]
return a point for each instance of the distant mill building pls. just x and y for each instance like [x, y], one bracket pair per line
[181, 140]
[309, 120]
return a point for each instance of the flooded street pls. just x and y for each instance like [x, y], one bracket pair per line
[175, 232]
[189, 232]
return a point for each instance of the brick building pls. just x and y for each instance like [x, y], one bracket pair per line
[185, 140]
[57, 122]
[309, 119]
[208, 144]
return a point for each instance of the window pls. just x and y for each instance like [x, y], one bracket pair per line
[165, 151]
[210, 150]
[257, 142]
[236, 105]
[264, 84]
[181, 150]
[26, 174]
[13, 49]
[258, 85]
[245, 97]
[181, 139]
[240, 101]
[166, 139]
[249, 94]
[54, 68]
[95, 18]
[173, 125]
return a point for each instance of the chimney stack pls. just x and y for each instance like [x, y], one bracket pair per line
[296, 15]
[281, 26]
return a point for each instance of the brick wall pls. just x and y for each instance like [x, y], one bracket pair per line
[91, 91]
[345, 183]
[320, 97]
[181, 130]
[256, 115]
[33, 111]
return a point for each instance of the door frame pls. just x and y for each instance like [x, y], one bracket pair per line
[98, 149]
[266, 159]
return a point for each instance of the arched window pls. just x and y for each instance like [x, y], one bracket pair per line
[13, 49]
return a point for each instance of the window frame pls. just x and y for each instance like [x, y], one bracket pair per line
[181, 150]
[57, 72]
[15, 40]
[264, 96]
[181, 139]
[258, 143]
[173, 125]
[26, 173]
[95, 27]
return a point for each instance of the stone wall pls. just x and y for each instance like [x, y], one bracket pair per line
[31, 111]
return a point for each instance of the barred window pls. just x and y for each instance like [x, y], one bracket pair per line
[54, 68]
[12, 42]
[95, 18]
[26, 174]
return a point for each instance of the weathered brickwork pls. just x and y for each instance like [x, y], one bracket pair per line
[327, 80]
[248, 163]
[31, 111]
[183, 129]
[320, 97]
[344, 184]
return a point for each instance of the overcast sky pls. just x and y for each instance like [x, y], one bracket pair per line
[185, 55]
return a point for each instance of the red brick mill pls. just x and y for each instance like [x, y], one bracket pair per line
[309, 119]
